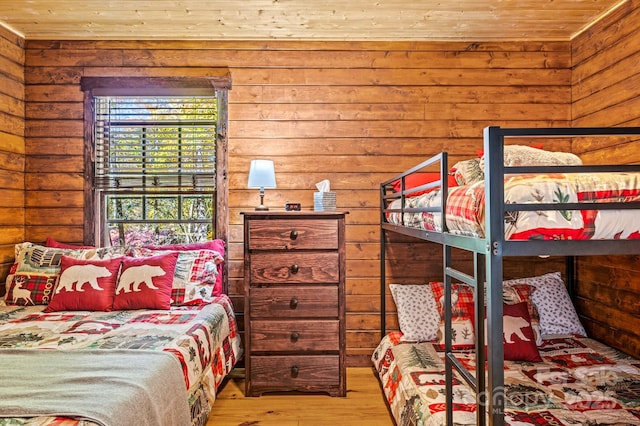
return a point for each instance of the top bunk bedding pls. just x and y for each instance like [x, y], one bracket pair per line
[142, 319]
[542, 195]
[465, 208]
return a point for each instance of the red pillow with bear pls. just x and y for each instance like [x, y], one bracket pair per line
[145, 282]
[85, 285]
[519, 339]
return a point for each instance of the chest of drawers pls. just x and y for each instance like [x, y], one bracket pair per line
[294, 286]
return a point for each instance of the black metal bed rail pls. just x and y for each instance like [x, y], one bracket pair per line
[495, 171]
[387, 195]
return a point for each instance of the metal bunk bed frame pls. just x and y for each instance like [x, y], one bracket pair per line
[488, 253]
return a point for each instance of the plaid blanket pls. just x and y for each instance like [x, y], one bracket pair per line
[466, 204]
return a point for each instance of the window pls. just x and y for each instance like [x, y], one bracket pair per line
[153, 161]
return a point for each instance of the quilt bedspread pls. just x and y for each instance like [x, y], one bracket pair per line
[579, 382]
[465, 207]
[204, 339]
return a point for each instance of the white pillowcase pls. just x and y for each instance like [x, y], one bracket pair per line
[418, 315]
[557, 313]
[522, 155]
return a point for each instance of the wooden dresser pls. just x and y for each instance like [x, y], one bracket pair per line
[294, 286]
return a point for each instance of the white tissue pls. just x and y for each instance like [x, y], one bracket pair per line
[323, 186]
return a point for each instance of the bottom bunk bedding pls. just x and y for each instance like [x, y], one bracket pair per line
[579, 382]
[203, 339]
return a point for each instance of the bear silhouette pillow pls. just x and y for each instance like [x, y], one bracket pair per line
[145, 282]
[519, 337]
[85, 285]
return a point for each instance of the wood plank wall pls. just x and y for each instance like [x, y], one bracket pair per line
[12, 147]
[606, 92]
[354, 113]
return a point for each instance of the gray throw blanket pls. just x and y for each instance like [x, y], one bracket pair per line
[108, 387]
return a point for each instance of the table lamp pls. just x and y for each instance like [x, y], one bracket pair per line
[262, 175]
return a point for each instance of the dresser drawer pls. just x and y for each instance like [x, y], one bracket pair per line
[287, 234]
[294, 267]
[294, 302]
[294, 335]
[310, 373]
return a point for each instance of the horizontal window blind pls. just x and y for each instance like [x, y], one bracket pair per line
[155, 144]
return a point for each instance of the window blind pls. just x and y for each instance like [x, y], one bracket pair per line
[162, 144]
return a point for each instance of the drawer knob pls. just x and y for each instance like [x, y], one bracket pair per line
[294, 337]
[293, 235]
[294, 268]
[293, 303]
[294, 371]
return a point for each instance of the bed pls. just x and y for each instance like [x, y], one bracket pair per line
[140, 336]
[513, 200]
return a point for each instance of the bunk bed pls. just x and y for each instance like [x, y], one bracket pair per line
[435, 377]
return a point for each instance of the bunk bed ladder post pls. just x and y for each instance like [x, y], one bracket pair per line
[448, 362]
[383, 271]
[481, 384]
[494, 235]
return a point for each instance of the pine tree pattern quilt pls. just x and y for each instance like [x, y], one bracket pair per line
[204, 338]
[579, 382]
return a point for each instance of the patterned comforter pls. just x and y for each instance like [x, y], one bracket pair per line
[203, 338]
[579, 382]
[465, 207]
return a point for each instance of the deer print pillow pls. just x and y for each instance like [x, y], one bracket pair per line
[463, 336]
[85, 285]
[145, 282]
[36, 269]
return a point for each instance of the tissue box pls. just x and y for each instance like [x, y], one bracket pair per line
[324, 201]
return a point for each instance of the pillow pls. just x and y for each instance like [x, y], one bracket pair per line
[50, 242]
[36, 269]
[145, 282]
[522, 155]
[417, 179]
[518, 293]
[463, 336]
[418, 315]
[557, 313]
[85, 285]
[468, 172]
[519, 339]
[196, 275]
[217, 245]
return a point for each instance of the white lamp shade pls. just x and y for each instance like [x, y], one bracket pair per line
[262, 174]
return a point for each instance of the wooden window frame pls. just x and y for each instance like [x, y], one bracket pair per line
[217, 85]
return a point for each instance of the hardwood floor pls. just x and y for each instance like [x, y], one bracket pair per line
[363, 405]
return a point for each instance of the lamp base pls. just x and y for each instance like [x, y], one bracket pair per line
[262, 207]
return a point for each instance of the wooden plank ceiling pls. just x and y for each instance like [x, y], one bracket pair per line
[389, 20]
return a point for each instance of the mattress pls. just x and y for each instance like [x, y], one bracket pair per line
[579, 382]
[204, 339]
[465, 207]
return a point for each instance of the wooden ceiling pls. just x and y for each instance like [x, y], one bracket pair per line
[389, 20]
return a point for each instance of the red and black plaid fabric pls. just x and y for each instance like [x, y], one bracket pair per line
[27, 289]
